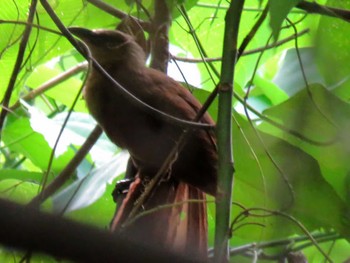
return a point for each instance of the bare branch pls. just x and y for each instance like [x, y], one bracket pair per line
[18, 64]
[50, 83]
[245, 53]
[69, 169]
[118, 13]
[314, 8]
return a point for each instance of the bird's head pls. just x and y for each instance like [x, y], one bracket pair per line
[110, 46]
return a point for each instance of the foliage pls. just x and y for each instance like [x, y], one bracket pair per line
[291, 117]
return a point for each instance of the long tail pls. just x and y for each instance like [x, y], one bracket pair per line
[177, 221]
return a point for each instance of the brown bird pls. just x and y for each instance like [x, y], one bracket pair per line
[182, 227]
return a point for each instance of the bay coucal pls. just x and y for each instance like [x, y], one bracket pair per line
[173, 223]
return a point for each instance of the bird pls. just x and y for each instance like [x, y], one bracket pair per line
[173, 222]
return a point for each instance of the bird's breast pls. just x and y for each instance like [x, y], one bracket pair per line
[147, 138]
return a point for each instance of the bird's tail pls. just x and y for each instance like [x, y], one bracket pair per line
[173, 218]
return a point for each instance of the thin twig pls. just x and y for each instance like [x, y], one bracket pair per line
[50, 83]
[308, 88]
[19, 60]
[253, 31]
[26, 23]
[245, 53]
[199, 45]
[268, 213]
[309, 7]
[213, 94]
[51, 158]
[257, 134]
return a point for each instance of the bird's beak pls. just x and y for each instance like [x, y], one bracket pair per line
[82, 33]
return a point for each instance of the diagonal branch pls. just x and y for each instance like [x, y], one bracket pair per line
[118, 13]
[245, 53]
[65, 174]
[50, 83]
[17, 67]
[314, 8]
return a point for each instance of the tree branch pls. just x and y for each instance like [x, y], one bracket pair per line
[118, 13]
[159, 37]
[314, 8]
[69, 169]
[50, 83]
[29, 229]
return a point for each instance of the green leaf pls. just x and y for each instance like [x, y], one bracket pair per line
[20, 138]
[65, 92]
[10, 256]
[99, 213]
[333, 52]
[20, 175]
[290, 75]
[269, 90]
[78, 128]
[88, 189]
[279, 10]
[9, 34]
[18, 190]
[268, 188]
[338, 251]
[327, 123]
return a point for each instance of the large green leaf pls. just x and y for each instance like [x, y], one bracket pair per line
[290, 74]
[318, 115]
[311, 199]
[78, 128]
[20, 138]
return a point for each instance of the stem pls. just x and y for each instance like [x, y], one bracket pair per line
[225, 166]
[19, 61]
[69, 169]
[314, 8]
[160, 38]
